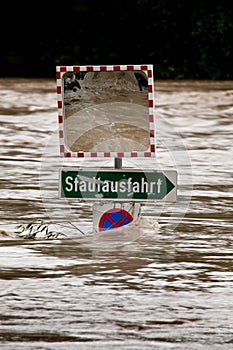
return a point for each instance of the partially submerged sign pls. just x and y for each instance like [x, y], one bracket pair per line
[106, 111]
[110, 215]
[119, 185]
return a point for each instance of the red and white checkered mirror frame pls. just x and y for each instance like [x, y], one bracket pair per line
[65, 152]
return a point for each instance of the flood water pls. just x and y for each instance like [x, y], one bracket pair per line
[166, 284]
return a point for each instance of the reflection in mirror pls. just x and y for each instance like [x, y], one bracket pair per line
[106, 111]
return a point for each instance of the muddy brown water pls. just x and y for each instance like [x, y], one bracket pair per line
[166, 285]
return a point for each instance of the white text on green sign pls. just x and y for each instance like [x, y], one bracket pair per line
[118, 185]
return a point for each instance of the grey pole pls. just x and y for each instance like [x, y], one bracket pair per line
[118, 163]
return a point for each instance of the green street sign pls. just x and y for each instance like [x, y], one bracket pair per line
[121, 185]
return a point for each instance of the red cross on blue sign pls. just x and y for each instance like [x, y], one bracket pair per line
[114, 218]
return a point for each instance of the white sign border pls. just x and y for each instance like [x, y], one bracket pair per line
[171, 175]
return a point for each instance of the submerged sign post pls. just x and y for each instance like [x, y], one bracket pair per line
[118, 185]
[108, 112]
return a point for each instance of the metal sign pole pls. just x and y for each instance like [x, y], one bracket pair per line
[118, 163]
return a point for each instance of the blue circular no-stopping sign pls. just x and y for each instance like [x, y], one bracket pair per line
[114, 218]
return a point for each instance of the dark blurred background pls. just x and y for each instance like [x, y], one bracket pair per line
[183, 39]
